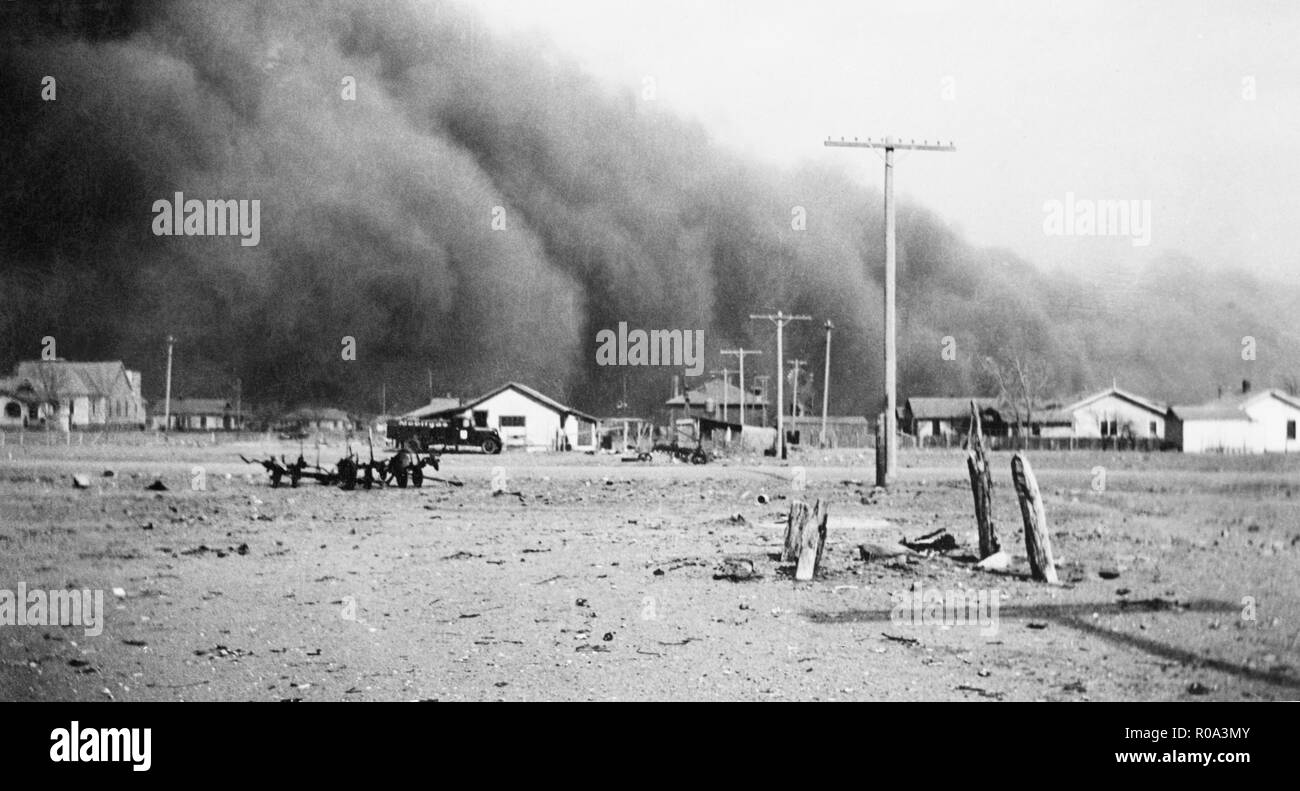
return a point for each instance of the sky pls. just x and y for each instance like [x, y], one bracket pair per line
[1190, 105]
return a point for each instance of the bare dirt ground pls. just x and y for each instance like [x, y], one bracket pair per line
[596, 581]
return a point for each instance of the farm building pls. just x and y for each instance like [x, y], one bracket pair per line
[73, 395]
[842, 431]
[202, 414]
[1258, 422]
[310, 419]
[948, 417]
[525, 418]
[1110, 413]
[720, 401]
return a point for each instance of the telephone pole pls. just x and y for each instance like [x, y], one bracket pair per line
[885, 474]
[743, 393]
[826, 382]
[794, 401]
[780, 319]
[726, 380]
[167, 399]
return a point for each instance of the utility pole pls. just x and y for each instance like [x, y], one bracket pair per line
[383, 398]
[794, 400]
[885, 473]
[780, 319]
[430, 385]
[726, 380]
[239, 404]
[167, 399]
[762, 383]
[743, 393]
[826, 382]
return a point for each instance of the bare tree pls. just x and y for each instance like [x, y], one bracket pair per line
[50, 382]
[1291, 384]
[1022, 381]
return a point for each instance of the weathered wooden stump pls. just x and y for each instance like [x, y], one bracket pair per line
[981, 484]
[1038, 544]
[795, 521]
[805, 538]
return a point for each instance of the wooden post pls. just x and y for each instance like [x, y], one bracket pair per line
[805, 538]
[794, 530]
[981, 484]
[881, 478]
[1038, 544]
[812, 541]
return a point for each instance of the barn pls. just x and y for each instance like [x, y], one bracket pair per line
[526, 419]
[1249, 422]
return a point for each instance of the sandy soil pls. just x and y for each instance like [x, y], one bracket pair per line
[597, 581]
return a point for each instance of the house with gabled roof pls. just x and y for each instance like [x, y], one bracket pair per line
[1113, 413]
[1261, 421]
[525, 418]
[76, 394]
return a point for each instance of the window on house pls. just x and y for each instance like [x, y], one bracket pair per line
[512, 421]
[1105, 428]
[1151, 430]
[1290, 429]
[13, 410]
[934, 427]
[480, 418]
[1114, 428]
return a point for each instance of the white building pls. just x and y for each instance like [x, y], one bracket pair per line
[526, 419]
[1262, 422]
[1109, 413]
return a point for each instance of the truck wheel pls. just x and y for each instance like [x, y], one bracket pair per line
[400, 475]
[417, 477]
[491, 446]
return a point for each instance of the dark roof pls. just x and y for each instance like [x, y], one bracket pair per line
[925, 408]
[713, 389]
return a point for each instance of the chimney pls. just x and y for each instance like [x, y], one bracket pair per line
[677, 385]
[1245, 386]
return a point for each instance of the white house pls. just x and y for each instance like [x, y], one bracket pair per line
[1260, 422]
[75, 394]
[1110, 413]
[526, 419]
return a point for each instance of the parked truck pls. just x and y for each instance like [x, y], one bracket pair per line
[443, 435]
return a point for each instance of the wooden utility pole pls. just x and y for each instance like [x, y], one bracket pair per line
[726, 379]
[780, 319]
[762, 383]
[794, 398]
[885, 476]
[826, 382]
[743, 393]
[167, 399]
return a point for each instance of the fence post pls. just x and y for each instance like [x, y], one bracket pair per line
[981, 485]
[1038, 543]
